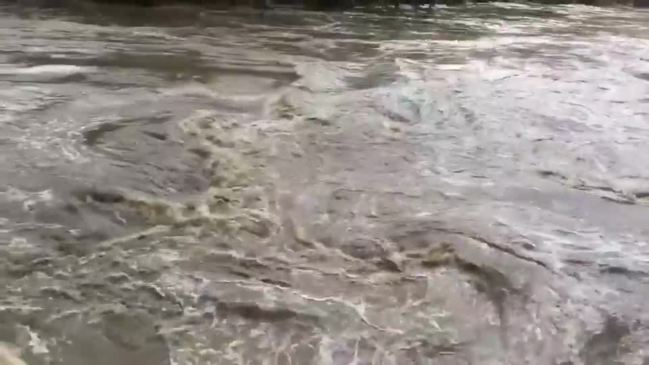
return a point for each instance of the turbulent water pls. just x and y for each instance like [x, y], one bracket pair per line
[462, 186]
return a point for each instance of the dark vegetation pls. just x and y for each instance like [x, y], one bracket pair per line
[345, 4]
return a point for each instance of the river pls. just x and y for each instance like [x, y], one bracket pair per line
[468, 185]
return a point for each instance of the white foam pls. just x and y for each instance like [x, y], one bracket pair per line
[34, 342]
[58, 70]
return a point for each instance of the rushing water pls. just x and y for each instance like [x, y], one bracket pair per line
[463, 186]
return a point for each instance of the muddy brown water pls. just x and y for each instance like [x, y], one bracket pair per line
[187, 186]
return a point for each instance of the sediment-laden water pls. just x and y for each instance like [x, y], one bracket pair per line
[187, 186]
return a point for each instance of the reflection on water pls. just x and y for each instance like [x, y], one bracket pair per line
[184, 186]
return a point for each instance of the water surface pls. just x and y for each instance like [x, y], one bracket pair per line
[189, 186]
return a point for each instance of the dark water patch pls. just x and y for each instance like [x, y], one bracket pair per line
[363, 248]
[605, 347]
[643, 76]
[156, 135]
[621, 270]
[95, 135]
[255, 311]
[27, 79]
[104, 197]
